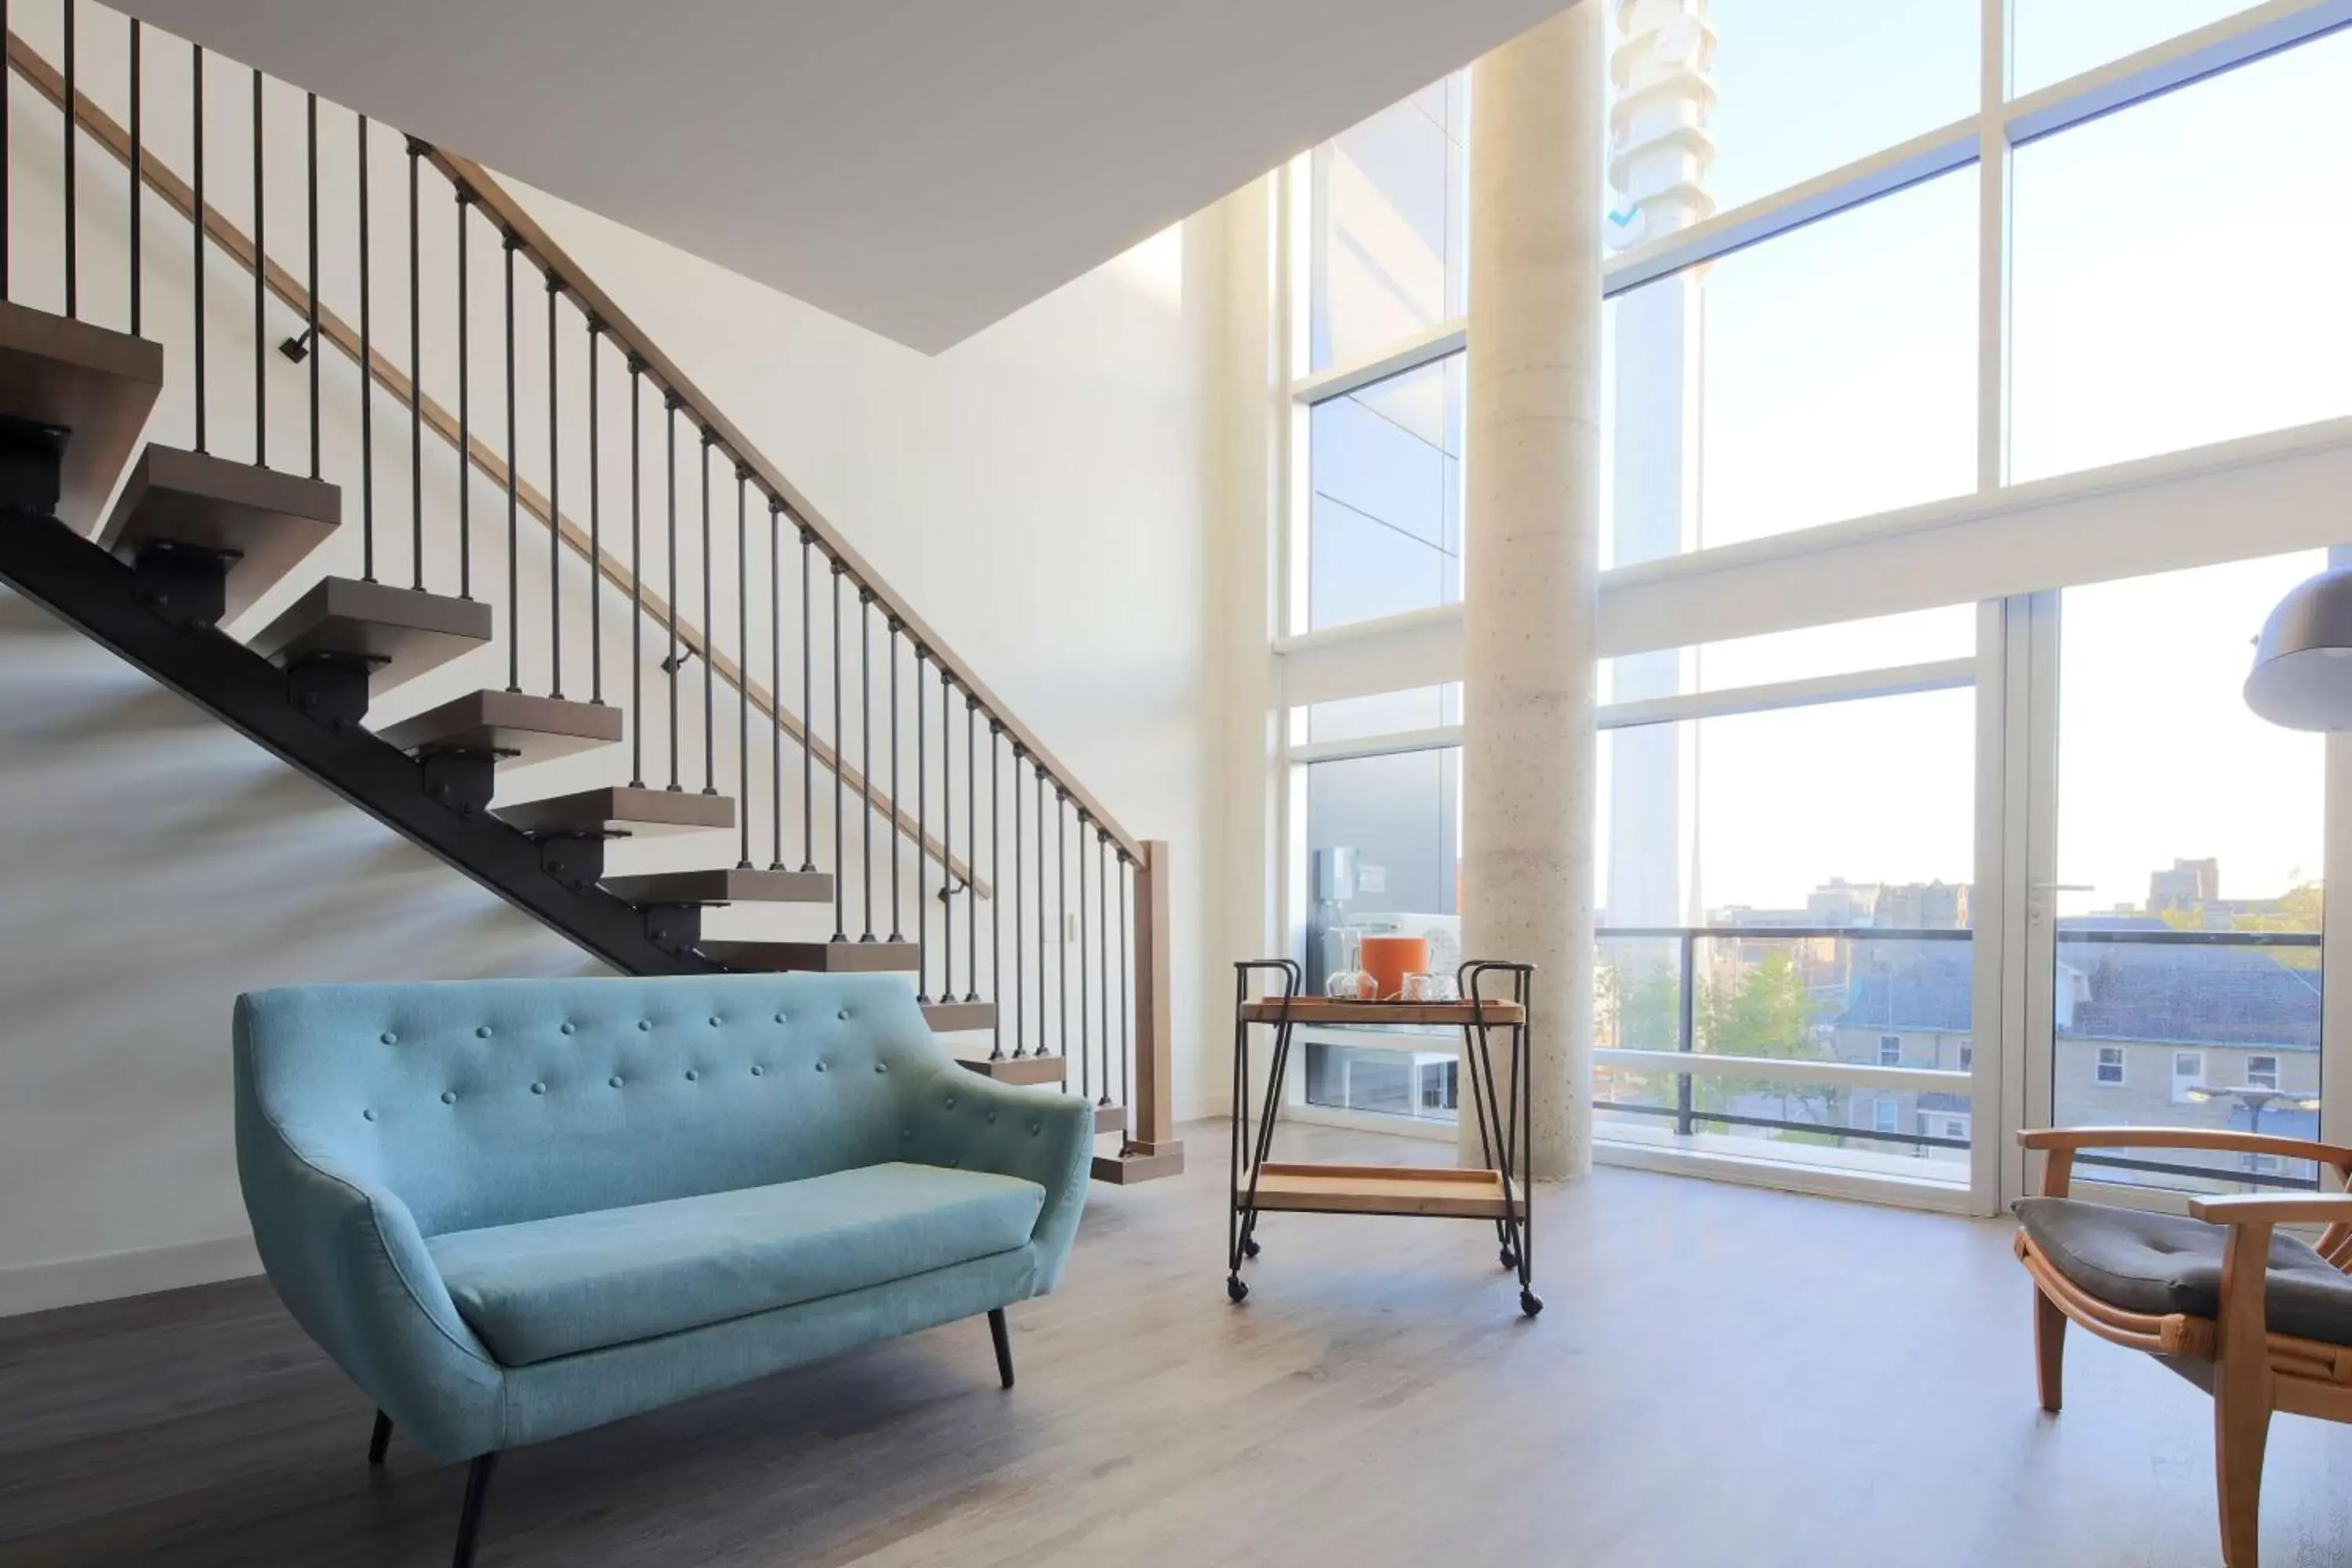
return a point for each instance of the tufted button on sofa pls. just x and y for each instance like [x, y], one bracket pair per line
[511, 1210]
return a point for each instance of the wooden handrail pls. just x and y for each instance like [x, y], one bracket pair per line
[110, 134]
[500, 205]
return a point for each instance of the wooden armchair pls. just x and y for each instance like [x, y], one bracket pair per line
[2260, 1320]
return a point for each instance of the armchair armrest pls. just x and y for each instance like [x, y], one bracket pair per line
[960, 1117]
[2061, 1143]
[2275, 1208]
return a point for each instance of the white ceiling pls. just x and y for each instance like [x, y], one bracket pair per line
[922, 167]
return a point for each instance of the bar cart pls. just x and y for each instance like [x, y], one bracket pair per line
[1498, 1194]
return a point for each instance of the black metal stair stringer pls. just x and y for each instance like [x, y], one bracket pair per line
[94, 591]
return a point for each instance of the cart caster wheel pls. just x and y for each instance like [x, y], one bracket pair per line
[1511, 1259]
[1250, 1248]
[1530, 1303]
[1235, 1287]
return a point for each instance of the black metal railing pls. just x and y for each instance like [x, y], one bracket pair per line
[1687, 1032]
[201, 164]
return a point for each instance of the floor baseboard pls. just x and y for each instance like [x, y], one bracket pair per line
[74, 1282]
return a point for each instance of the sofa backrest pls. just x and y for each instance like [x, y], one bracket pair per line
[491, 1102]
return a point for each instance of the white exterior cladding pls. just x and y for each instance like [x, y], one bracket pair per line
[1661, 153]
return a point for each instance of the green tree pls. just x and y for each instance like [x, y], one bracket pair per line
[1767, 1012]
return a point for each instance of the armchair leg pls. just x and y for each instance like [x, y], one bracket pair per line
[470, 1518]
[996, 1330]
[2243, 1386]
[380, 1439]
[2049, 1350]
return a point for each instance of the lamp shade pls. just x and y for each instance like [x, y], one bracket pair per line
[2302, 662]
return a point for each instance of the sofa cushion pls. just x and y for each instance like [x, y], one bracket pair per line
[2161, 1263]
[551, 1288]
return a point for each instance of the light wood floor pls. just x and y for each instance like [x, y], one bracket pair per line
[1723, 1377]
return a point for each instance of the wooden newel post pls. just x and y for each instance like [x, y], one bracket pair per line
[1154, 1149]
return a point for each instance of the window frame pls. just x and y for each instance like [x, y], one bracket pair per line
[2104, 1057]
[2256, 1075]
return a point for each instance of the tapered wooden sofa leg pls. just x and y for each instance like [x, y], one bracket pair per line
[470, 1518]
[996, 1330]
[2049, 1351]
[380, 1439]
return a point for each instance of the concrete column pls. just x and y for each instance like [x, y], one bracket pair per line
[1533, 508]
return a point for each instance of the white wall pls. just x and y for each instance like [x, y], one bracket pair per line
[1042, 494]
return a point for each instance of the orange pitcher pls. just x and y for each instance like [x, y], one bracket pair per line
[1388, 959]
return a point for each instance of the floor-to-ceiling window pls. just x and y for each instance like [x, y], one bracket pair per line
[1960, 426]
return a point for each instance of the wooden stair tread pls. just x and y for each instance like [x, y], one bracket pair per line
[1018, 1069]
[1380, 1189]
[532, 727]
[403, 632]
[723, 885]
[633, 809]
[953, 1017]
[1110, 1118]
[824, 957]
[271, 521]
[1130, 1167]
[100, 386]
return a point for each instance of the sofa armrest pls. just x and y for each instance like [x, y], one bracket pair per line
[958, 1118]
[346, 1256]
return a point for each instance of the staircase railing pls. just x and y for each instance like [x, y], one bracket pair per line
[487, 392]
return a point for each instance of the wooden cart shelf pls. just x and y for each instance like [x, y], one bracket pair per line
[1383, 1189]
[1332, 1010]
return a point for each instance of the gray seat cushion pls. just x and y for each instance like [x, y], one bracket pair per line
[2161, 1263]
[549, 1288]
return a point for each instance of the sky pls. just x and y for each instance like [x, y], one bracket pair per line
[2177, 277]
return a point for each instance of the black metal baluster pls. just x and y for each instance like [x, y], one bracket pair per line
[946, 840]
[775, 684]
[310, 211]
[995, 876]
[808, 705]
[1041, 912]
[1102, 949]
[72, 148]
[597, 526]
[555, 505]
[260, 290]
[1020, 919]
[367, 382]
[416, 376]
[865, 747]
[840, 867]
[637, 577]
[743, 663]
[897, 800]
[1126, 1012]
[710, 648]
[465, 404]
[672, 665]
[137, 177]
[513, 454]
[970, 847]
[196, 280]
[922, 833]
[1062, 844]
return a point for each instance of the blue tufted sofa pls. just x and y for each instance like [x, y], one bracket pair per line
[514, 1209]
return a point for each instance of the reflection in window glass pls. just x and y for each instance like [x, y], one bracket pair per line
[1919, 636]
[1390, 226]
[1385, 533]
[1837, 379]
[2190, 846]
[1384, 850]
[1804, 86]
[1385, 713]
[2136, 327]
[2050, 40]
